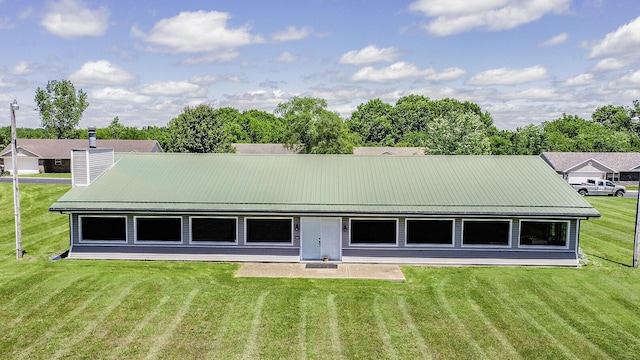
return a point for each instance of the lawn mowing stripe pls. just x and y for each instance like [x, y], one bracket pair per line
[45, 300]
[139, 326]
[81, 335]
[336, 346]
[302, 333]
[37, 288]
[12, 276]
[384, 332]
[222, 331]
[512, 306]
[44, 338]
[459, 324]
[251, 347]
[584, 307]
[572, 330]
[162, 341]
[418, 340]
[513, 353]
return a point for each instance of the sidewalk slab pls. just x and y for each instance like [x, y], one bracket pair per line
[343, 271]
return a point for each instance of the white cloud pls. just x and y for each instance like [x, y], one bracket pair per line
[217, 57]
[257, 99]
[173, 88]
[214, 79]
[403, 71]
[369, 54]
[537, 94]
[291, 33]
[580, 80]
[23, 68]
[110, 94]
[556, 40]
[609, 64]
[631, 79]
[452, 17]
[507, 76]
[73, 18]
[623, 41]
[286, 57]
[191, 32]
[101, 72]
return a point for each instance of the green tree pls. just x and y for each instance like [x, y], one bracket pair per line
[528, 140]
[263, 127]
[572, 133]
[61, 108]
[457, 133]
[115, 130]
[312, 129]
[198, 130]
[613, 117]
[373, 122]
[500, 141]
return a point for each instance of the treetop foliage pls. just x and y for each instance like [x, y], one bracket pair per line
[445, 126]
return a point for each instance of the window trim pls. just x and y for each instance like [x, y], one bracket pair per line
[258, 243]
[545, 247]
[387, 245]
[157, 242]
[487, 246]
[192, 242]
[439, 245]
[88, 241]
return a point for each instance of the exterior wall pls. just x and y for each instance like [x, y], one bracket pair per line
[88, 164]
[26, 165]
[513, 254]
[49, 166]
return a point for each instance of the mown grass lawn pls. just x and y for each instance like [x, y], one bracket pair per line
[177, 310]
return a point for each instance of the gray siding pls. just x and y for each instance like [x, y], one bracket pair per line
[400, 253]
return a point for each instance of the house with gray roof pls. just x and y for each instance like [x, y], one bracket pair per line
[348, 208]
[54, 155]
[387, 150]
[576, 167]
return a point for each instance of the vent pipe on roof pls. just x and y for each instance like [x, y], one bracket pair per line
[92, 137]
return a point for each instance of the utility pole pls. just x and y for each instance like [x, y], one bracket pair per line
[16, 191]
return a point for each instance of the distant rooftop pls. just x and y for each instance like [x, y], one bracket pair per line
[262, 149]
[387, 150]
[61, 148]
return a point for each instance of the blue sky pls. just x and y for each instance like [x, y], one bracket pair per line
[524, 61]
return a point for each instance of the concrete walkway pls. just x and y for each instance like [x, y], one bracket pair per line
[318, 270]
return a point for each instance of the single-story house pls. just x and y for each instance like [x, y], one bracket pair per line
[482, 210]
[54, 155]
[387, 150]
[577, 167]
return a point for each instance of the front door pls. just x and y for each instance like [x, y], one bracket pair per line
[320, 237]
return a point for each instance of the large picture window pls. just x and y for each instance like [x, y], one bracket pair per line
[374, 231]
[207, 229]
[159, 229]
[267, 230]
[543, 233]
[429, 232]
[103, 228]
[486, 232]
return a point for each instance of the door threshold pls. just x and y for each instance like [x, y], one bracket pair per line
[321, 265]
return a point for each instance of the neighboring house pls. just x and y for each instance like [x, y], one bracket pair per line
[262, 149]
[54, 155]
[483, 210]
[387, 150]
[576, 167]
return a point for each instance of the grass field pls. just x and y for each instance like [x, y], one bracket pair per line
[178, 310]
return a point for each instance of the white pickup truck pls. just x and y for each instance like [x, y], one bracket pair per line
[599, 187]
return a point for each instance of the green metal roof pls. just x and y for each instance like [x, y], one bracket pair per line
[429, 185]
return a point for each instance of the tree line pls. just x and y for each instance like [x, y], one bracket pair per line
[446, 126]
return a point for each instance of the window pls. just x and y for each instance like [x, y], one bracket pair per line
[103, 228]
[58, 162]
[269, 230]
[374, 231]
[429, 232]
[543, 233]
[159, 229]
[206, 229]
[486, 232]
